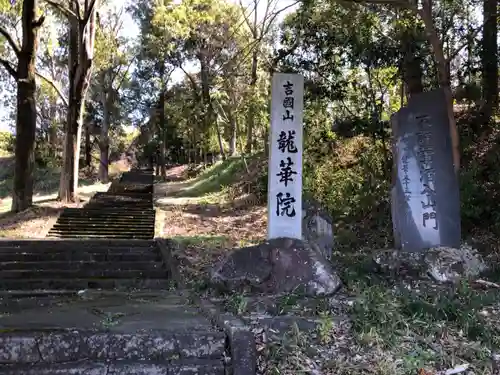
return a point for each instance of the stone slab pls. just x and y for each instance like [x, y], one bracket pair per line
[241, 339]
[175, 367]
[425, 194]
[167, 313]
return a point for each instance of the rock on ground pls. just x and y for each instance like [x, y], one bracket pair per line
[317, 227]
[442, 264]
[280, 265]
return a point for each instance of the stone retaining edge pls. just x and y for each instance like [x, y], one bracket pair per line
[240, 337]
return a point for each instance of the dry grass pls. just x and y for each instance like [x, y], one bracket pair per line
[37, 221]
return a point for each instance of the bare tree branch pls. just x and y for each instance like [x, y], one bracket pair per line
[54, 86]
[63, 9]
[191, 78]
[88, 11]
[10, 40]
[122, 79]
[466, 43]
[274, 16]
[396, 3]
[8, 66]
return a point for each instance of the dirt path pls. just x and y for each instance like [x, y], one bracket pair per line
[207, 228]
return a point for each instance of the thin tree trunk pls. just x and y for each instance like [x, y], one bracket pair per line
[219, 139]
[251, 109]
[234, 133]
[77, 146]
[163, 123]
[88, 147]
[22, 195]
[489, 58]
[104, 137]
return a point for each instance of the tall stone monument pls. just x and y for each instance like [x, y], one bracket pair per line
[288, 261]
[425, 191]
[285, 157]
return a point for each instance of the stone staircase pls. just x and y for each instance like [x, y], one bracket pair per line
[77, 304]
[125, 211]
[81, 264]
[160, 336]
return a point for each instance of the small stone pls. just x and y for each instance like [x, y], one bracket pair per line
[442, 264]
[447, 264]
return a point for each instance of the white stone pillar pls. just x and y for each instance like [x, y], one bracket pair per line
[284, 200]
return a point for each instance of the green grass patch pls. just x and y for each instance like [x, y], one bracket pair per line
[46, 181]
[205, 241]
[213, 179]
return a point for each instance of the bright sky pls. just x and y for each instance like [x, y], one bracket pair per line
[131, 30]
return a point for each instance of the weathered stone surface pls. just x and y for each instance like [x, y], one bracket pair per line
[442, 264]
[243, 351]
[198, 367]
[241, 340]
[202, 345]
[138, 368]
[425, 192]
[317, 227]
[280, 265]
[447, 264]
[19, 348]
[62, 347]
[130, 346]
[77, 368]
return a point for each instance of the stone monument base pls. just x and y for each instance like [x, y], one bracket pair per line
[442, 264]
[281, 265]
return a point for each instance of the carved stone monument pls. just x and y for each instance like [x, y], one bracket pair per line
[285, 157]
[299, 237]
[425, 193]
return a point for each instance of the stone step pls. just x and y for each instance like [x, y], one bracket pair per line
[125, 198]
[174, 367]
[99, 236]
[104, 227]
[110, 210]
[84, 227]
[79, 256]
[105, 222]
[112, 273]
[60, 346]
[91, 229]
[104, 233]
[90, 245]
[84, 283]
[102, 204]
[145, 266]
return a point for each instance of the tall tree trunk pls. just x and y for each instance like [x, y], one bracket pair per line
[251, 108]
[22, 195]
[104, 137]
[208, 108]
[443, 77]
[412, 70]
[82, 36]
[234, 133]
[163, 123]
[219, 140]
[489, 58]
[88, 146]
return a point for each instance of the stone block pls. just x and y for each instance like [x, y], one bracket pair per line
[425, 193]
[18, 347]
